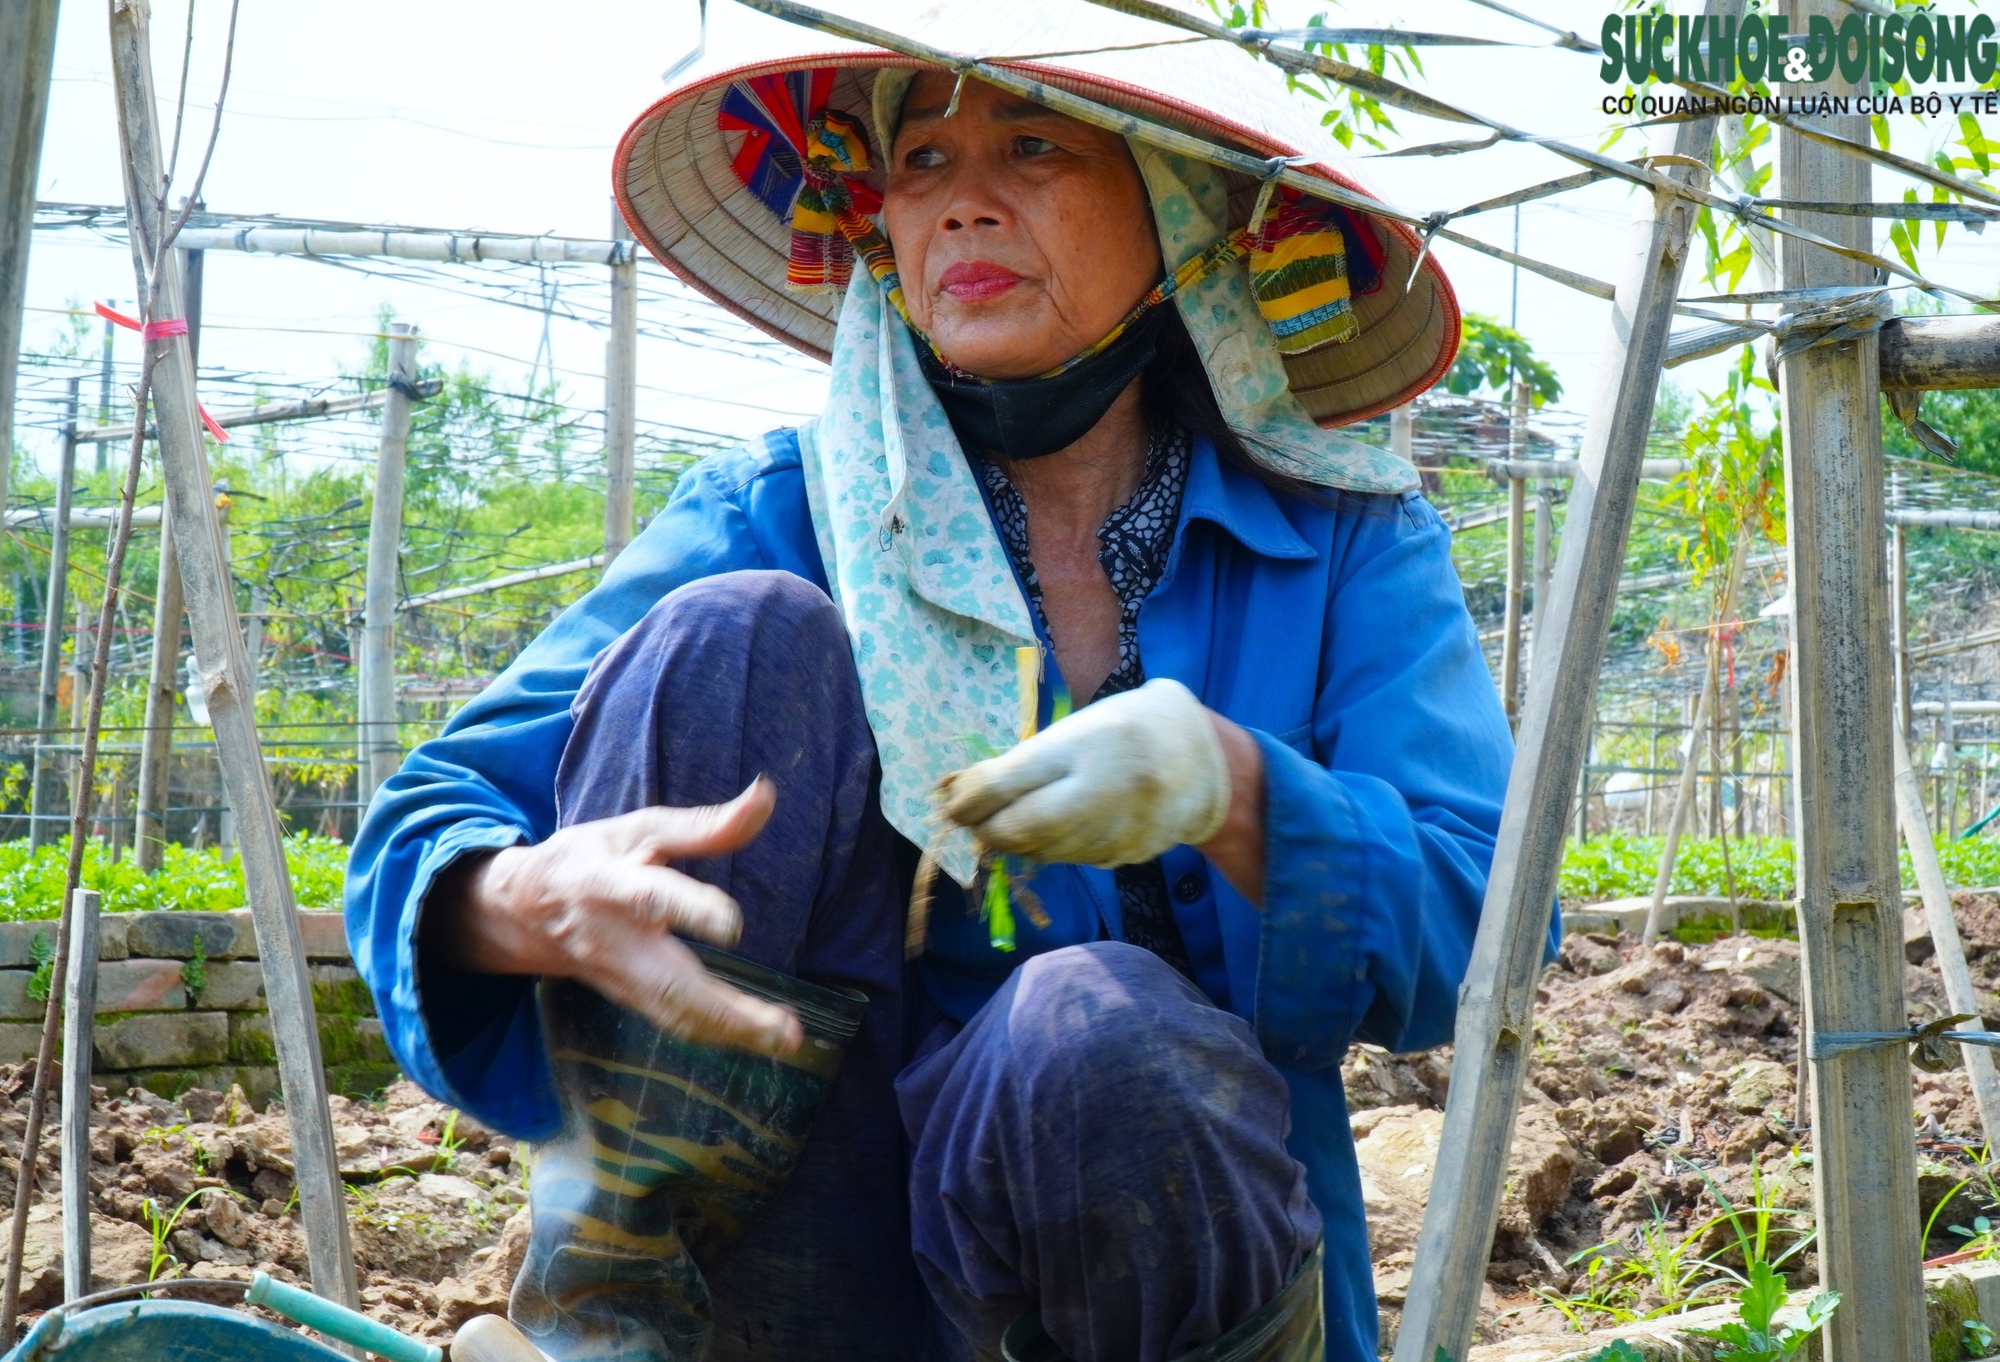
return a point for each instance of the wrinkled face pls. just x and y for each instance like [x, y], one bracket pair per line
[1022, 235]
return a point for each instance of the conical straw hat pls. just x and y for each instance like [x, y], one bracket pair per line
[676, 179]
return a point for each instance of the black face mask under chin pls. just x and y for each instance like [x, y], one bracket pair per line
[1026, 418]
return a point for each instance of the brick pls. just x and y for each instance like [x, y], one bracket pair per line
[325, 936]
[360, 1080]
[111, 936]
[250, 1038]
[171, 934]
[260, 1085]
[19, 1041]
[338, 990]
[15, 1004]
[140, 986]
[233, 986]
[163, 1040]
[352, 1040]
[16, 940]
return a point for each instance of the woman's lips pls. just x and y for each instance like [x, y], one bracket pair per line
[975, 281]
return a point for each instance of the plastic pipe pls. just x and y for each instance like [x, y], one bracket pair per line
[338, 1322]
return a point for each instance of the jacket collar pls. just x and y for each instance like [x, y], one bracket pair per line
[1240, 505]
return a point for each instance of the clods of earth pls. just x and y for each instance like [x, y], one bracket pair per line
[201, 1186]
[1662, 1094]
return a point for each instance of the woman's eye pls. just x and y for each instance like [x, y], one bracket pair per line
[1033, 146]
[924, 158]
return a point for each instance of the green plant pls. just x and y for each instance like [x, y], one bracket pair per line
[1618, 1350]
[160, 1227]
[43, 952]
[211, 879]
[1666, 1261]
[1978, 1339]
[1753, 1335]
[449, 1143]
[1755, 1241]
[160, 1137]
[1937, 1210]
[194, 972]
[1982, 1241]
[1604, 1294]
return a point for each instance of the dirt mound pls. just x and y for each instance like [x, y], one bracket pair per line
[1662, 1091]
[201, 1186]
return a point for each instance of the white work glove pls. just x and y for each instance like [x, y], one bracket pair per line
[1116, 783]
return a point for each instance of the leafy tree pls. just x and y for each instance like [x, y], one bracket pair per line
[1491, 355]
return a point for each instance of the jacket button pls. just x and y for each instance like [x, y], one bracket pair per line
[1188, 887]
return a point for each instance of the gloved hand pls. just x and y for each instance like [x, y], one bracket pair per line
[1116, 783]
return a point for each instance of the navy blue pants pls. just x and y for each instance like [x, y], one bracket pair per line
[1099, 1142]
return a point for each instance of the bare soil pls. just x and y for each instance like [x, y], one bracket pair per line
[1662, 1093]
[1662, 1087]
[201, 1186]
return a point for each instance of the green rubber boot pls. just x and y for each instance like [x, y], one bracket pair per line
[668, 1152]
[1290, 1327]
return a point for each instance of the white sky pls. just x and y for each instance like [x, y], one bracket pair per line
[503, 117]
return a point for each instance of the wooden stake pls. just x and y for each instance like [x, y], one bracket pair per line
[621, 391]
[1899, 608]
[79, 1028]
[218, 642]
[27, 60]
[1849, 894]
[1958, 989]
[1495, 1031]
[42, 817]
[381, 741]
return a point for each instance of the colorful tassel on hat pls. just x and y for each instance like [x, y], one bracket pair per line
[836, 147]
[1298, 272]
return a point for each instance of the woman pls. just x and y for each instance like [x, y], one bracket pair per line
[1071, 420]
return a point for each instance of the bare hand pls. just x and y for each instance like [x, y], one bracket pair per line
[598, 903]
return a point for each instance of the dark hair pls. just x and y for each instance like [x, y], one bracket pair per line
[1178, 391]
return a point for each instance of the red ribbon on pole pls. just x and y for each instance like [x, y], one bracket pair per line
[161, 330]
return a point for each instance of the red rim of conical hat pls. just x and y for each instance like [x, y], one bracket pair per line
[676, 187]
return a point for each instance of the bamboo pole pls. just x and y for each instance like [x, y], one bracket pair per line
[1849, 893]
[1687, 793]
[1403, 433]
[444, 247]
[1544, 544]
[219, 652]
[621, 391]
[305, 409]
[501, 583]
[1492, 1040]
[1510, 636]
[149, 812]
[27, 60]
[79, 1029]
[40, 816]
[156, 744]
[1958, 989]
[385, 543]
[1899, 624]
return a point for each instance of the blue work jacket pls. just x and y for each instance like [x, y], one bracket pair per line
[1334, 630]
